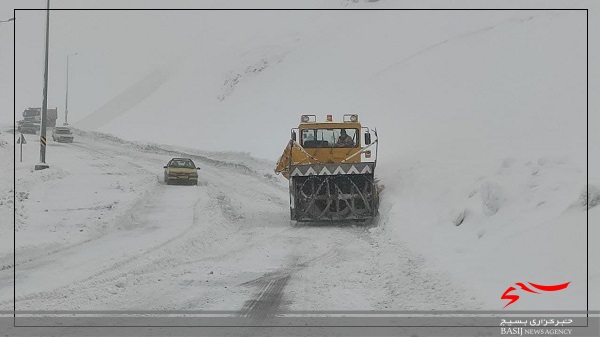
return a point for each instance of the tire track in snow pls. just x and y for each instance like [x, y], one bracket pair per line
[44, 253]
[94, 279]
[40, 254]
[182, 250]
[269, 299]
[138, 207]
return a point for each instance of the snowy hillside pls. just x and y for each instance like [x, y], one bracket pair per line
[503, 79]
[481, 117]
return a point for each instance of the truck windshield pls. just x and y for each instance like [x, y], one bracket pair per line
[31, 112]
[63, 131]
[314, 138]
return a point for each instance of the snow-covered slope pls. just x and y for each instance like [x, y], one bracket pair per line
[505, 79]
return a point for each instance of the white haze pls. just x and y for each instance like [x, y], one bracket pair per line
[444, 81]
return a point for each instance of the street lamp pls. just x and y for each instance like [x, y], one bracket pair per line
[67, 91]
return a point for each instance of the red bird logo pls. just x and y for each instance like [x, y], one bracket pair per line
[513, 298]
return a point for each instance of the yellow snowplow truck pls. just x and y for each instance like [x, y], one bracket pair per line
[330, 167]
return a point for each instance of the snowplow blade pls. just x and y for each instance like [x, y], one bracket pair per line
[333, 192]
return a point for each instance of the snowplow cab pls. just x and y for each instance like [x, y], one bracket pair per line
[330, 167]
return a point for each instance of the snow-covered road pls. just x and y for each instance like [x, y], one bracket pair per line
[100, 230]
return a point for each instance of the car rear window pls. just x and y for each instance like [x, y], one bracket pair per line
[182, 163]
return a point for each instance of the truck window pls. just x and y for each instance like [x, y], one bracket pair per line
[315, 138]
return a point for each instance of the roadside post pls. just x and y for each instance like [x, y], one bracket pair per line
[21, 141]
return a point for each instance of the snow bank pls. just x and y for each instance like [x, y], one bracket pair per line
[491, 225]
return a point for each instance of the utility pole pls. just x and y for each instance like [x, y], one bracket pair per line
[42, 165]
[67, 91]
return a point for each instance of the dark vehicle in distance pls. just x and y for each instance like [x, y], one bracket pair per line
[27, 127]
[35, 115]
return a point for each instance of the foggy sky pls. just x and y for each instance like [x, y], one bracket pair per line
[199, 49]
